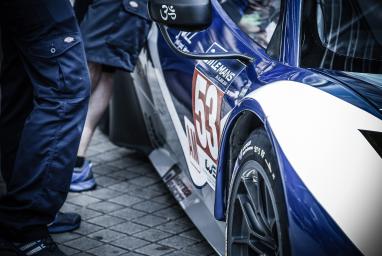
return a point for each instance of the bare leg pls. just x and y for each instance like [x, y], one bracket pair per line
[102, 86]
[95, 71]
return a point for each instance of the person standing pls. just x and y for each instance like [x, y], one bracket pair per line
[45, 90]
[114, 33]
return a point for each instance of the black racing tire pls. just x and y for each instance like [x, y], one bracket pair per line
[257, 222]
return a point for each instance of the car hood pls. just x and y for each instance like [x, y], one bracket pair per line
[369, 86]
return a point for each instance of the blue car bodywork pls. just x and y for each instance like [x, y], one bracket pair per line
[312, 230]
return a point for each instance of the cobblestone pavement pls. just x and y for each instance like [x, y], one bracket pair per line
[130, 213]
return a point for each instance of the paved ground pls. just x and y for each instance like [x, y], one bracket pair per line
[130, 213]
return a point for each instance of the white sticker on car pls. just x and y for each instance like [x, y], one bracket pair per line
[204, 134]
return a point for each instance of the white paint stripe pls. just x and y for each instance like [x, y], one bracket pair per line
[319, 134]
[170, 105]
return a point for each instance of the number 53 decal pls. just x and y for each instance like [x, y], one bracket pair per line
[206, 105]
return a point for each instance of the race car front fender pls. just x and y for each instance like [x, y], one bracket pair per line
[322, 137]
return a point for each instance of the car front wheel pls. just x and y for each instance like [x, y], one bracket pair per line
[256, 221]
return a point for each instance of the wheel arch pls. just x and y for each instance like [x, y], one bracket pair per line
[246, 117]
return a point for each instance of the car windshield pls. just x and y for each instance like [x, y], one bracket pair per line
[351, 28]
[257, 18]
[343, 35]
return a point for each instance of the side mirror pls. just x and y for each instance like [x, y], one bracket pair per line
[190, 16]
[185, 15]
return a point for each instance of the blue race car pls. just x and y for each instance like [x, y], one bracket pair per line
[264, 119]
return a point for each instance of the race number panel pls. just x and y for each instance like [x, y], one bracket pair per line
[204, 134]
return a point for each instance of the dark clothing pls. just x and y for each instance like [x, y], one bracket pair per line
[115, 31]
[45, 89]
[80, 8]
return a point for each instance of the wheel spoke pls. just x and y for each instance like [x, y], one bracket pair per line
[253, 223]
[270, 214]
[265, 203]
[262, 247]
[273, 226]
[258, 240]
[239, 240]
[252, 189]
[254, 229]
[256, 190]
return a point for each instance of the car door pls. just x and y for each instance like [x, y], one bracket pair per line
[204, 92]
[199, 95]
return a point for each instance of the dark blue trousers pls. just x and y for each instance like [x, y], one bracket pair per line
[45, 88]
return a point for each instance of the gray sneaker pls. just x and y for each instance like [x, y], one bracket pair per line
[43, 247]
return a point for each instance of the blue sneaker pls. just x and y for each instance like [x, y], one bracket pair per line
[83, 179]
[64, 222]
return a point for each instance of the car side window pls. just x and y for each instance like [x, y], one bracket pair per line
[257, 18]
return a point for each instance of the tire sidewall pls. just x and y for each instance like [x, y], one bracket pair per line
[258, 148]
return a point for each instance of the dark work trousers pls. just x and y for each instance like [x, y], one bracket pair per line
[45, 89]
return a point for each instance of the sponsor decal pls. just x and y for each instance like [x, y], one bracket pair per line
[184, 39]
[204, 133]
[222, 72]
[167, 11]
[178, 188]
[187, 36]
[211, 77]
[259, 151]
[198, 177]
[206, 104]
